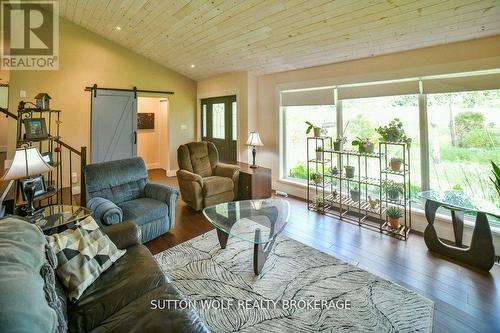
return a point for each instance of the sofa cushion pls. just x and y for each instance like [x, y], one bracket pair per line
[129, 278]
[148, 314]
[23, 303]
[199, 159]
[216, 185]
[83, 253]
[144, 210]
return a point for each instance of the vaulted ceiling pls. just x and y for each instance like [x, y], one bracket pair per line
[259, 36]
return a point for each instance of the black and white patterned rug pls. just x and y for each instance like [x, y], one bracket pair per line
[353, 299]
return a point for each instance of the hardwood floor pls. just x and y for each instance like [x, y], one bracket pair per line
[466, 300]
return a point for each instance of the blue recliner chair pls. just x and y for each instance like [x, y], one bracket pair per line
[120, 190]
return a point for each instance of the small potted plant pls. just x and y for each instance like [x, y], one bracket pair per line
[338, 143]
[334, 171]
[317, 130]
[394, 215]
[393, 189]
[335, 193]
[349, 171]
[355, 193]
[319, 153]
[317, 202]
[316, 177]
[394, 132]
[395, 164]
[364, 145]
[373, 202]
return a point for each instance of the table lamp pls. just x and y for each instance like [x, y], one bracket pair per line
[254, 140]
[27, 162]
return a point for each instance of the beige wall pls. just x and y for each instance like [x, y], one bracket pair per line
[244, 86]
[85, 59]
[458, 57]
[4, 79]
[148, 140]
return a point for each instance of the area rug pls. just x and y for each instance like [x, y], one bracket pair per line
[329, 294]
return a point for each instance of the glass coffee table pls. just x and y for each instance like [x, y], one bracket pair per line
[481, 252]
[255, 221]
[55, 218]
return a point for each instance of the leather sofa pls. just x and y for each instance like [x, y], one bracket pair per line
[203, 180]
[120, 190]
[118, 301]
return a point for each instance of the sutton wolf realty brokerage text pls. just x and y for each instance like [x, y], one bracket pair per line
[292, 304]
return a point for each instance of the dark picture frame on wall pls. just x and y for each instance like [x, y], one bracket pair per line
[145, 120]
[35, 129]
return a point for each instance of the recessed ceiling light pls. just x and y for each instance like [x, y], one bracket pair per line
[118, 28]
[193, 66]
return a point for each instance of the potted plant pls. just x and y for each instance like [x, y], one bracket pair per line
[393, 189]
[355, 193]
[395, 164]
[394, 132]
[317, 130]
[349, 171]
[394, 215]
[334, 171]
[335, 193]
[338, 143]
[373, 202]
[364, 145]
[317, 202]
[316, 177]
[319, 153]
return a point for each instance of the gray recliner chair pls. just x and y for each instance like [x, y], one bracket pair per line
[120, 190]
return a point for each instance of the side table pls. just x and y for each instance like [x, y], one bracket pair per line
[254, 183]
[55, 218]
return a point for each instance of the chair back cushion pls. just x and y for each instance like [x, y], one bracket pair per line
[198, 157]
[117, 181]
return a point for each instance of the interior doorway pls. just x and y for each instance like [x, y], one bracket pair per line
[219, 125]
[152, 132]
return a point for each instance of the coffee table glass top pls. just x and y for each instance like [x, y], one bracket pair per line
[460, 201]
[241, 218]
[54, 216]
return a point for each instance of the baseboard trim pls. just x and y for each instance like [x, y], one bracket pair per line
[171, 173]
[150, 166]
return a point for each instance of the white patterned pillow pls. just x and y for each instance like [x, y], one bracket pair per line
[83, 253]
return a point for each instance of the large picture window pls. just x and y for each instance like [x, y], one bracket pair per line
[294, 131]
[464, 136]
[462, 129]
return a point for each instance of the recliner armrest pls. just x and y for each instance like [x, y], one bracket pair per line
[124, 234]
[104, 211]
[226, 170]
[161, 192]
[189, 176]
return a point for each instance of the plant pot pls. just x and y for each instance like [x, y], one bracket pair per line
[394, 196]
[317, 132]
[337, 146]
[355, 194]
[395, 165]
[366, 150]
[393, 136]
[349, 171]
[394, 223]
[318, 180]
[334, 171]
[319, 156]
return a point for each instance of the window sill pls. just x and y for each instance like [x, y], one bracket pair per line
[415, 210]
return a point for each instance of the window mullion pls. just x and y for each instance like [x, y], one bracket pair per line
[424, 142]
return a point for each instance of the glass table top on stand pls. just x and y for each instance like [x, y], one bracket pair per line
[481, 252]
[55, 216]
[255, 221]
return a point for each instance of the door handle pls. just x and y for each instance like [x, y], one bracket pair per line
[135, 137]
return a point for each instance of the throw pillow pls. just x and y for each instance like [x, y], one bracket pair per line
[83, 253]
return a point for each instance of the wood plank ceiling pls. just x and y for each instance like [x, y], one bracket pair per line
[265, 36]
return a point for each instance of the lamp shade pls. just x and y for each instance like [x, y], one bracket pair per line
[254, 139]
[27, 162]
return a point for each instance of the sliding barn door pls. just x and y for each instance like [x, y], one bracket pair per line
[114, 125]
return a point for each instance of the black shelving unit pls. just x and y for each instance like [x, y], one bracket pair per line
[341, 205]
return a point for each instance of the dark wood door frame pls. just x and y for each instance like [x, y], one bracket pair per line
[227, 147]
